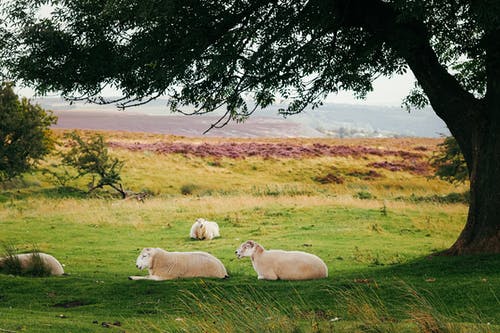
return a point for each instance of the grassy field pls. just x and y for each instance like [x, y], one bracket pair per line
[374, 218]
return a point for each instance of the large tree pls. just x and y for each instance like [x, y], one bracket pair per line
[211, 54]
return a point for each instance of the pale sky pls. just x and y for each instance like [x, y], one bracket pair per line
[386, 91]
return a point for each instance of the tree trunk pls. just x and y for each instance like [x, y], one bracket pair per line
[481, 233]
[482, 230]
[475, 123]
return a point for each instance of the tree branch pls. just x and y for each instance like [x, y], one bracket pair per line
[411, 40]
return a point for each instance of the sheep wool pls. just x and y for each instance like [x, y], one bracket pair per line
[203, 229]
[282, 265]
[27, 261]
[163, 265]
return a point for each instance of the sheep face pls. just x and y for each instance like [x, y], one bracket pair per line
[200, 223]
[144, 259]
[199, 229]
[246, 249]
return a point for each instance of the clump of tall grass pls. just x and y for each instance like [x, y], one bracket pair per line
[360, 309]
[450, 198]
[189, 189]
[281, 190]
[420, 312]
[246, 310]
[364, 195]
[216, 309]
[422, 308]
[10, 263]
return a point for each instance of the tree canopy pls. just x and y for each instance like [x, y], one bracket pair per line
[25, 137]
[210, 53]
[221, 54]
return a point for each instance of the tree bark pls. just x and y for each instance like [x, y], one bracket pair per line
[482, 230]
[475, 123]
[481, 233]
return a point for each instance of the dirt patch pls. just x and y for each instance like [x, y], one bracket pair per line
[70, 304]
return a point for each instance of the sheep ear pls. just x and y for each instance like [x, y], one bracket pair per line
[251, 243]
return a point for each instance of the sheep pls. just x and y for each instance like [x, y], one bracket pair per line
[28, 261]
[203, 229]
[163, 265]
[282, 265]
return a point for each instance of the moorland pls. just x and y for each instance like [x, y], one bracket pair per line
[370, 208]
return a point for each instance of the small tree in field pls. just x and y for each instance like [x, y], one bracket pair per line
[449, 162]
[90, 157]
[25, 136]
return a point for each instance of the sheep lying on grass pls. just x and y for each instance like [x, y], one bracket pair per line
[203, 229]
[163, 265]
[37, 264]
[282, 265]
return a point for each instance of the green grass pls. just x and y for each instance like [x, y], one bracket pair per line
[381, 275]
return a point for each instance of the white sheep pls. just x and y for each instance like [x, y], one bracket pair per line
[203, 229]
[28, 260]
[163, 265]
[282, 265]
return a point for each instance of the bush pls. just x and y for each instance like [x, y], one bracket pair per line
[25, 136]
[60, 175]
[364, 195]
[90, 157]
[189, 189]
[449, 162]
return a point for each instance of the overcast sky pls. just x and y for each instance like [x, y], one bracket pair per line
[387, 92]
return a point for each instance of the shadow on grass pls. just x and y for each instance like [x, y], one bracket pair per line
[465, 285]
[65, 192]
[446, 289]
[443, 266]
[467, 288]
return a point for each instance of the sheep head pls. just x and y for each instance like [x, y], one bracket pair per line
[144, 259]
[246, 249]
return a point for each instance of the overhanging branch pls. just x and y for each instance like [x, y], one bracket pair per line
[410, 39]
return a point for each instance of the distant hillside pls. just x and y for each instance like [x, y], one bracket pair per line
[344, 120]
[331, 120]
